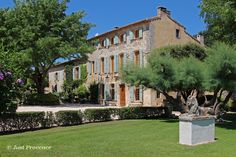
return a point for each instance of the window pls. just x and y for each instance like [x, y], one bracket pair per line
[56, 76]
[102, 65]
[112, 40]
[136, 34]
[136, 92]
[76, 73]
[121, 57]
[112, 64]
[112, 91]
[123, 38]
[92, 67]
[116, 40]
[177, 33]
[158, 94]
[136, 59]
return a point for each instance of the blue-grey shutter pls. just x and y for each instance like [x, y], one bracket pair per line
[95, 66]
[108, 92]
[141, 60]
[131, 35]
[140, 33]
[99, 66]
[116, 62]
[131, 57]
[116, 88]
[105, 64]
[79, 72]
[140, 92]
[105, 91]
[124, 37]
[73, 73]
[107, 42]
[131, 90]
[108, 64]
[124, 61]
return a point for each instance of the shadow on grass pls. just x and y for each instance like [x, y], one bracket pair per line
[229, 121]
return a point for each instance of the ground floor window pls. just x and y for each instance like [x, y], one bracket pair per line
[136, 92]
[112, 91]
[102, 91]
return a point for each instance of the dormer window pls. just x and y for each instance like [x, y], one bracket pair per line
[116, 40]
[177, 33]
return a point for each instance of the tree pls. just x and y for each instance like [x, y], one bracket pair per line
[221, 78]
[172, 68]
[39, 32]
[220, 16]
[188, 74]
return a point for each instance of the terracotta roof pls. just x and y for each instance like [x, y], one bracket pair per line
[122, 27]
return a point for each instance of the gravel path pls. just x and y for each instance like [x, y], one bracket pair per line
[63, 107]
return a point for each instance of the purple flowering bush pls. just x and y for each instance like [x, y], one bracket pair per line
[8, 92]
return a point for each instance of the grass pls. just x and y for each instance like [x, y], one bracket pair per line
[129, 138]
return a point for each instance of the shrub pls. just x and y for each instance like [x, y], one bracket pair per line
[92, 115]
[9, 92]
[21, 121]
[140, 112]
[66, 118]
[93, 90]
[82, 94]
[41, 99]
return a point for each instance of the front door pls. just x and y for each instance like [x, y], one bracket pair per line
[122, 95]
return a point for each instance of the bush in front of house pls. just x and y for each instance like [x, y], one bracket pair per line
[21, 121]
[67, 118]
[141, 112]
[82, 94]
[41, 99]
[93, 115]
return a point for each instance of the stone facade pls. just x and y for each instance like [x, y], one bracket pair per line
[140, 38]
[57, 75]
[117, 48]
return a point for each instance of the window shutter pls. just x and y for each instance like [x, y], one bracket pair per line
[116, 87]
[141, 61]
[107, 42]
[99, 66]
[116, 58]
[105, 65]
[105, 92]
[73, 74]
[131, 35]
[95, 67]
[131, 57]
[140, 92]
[131, 93]
[108, 64]
[140, 33]
[79, 72]
[124, 61]
[124, 37]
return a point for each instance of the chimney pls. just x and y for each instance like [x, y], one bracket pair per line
[162, 11]
[200, 38]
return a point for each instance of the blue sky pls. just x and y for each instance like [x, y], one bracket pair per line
[106, 14]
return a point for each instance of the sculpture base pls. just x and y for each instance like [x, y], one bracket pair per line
[195, 130]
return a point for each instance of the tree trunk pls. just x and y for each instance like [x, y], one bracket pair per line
[39, 80]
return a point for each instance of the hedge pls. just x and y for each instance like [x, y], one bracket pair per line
[93, 115]
[141, 112]
[21, 121]
[41, 99]
[66, 118]
[35, 120]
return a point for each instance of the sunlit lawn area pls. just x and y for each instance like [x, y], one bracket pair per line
[129, 138]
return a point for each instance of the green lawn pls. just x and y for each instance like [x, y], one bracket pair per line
[129, 138]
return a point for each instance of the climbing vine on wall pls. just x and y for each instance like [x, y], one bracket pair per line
[83, 74]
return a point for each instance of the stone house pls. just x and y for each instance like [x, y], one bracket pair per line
[57, 74]
[132, 43]
[115, 49]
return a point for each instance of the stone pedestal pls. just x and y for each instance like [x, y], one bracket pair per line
[194, 130]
